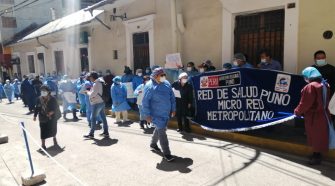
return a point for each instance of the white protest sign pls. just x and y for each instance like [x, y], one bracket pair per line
[173, 61]
[130, 91]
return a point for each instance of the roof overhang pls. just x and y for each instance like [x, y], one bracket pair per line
[80, 17]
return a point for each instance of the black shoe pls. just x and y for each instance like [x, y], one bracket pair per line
[168, 157]
[75, 118]
[104, 134]
[179, 130]
[155, 148]
[98, 127]
[90, 136]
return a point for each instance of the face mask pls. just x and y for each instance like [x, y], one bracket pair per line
[183, 81]
[7, 83]
[117, 82]
[189, 69]
[321, 62]
[263, 60]
[139, 74]
[201, 70]
[162, 79]
[235, 63]
[108, 73]
[147, 71]
[44, 93]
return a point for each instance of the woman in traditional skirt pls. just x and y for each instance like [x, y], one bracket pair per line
[48, 113]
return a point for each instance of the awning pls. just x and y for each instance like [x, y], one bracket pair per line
[78, 18]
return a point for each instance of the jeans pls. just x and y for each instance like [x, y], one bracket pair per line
[160, 134]
[98, 110]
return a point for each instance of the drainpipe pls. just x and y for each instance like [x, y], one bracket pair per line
[174, 26]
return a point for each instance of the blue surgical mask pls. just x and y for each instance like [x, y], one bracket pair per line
[321, 62]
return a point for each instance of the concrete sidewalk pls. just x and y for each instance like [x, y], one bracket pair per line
[6, 177]
[125, 158]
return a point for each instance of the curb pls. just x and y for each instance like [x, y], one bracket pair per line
[282, 146]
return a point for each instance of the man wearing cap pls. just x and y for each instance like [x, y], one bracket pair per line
[239, 61]
[159, 105]
[184, 98]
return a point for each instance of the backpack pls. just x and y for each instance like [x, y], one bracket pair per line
[105, 92]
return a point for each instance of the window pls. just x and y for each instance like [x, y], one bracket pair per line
[31, 64]
[115, 56]
[260, 30]
[8, 22]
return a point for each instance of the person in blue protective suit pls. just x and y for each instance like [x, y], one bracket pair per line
[1, 91]
[79, 84]
[127, 77]
[9, 91]
[28, 93]
[68, 90]
[17, 87]
[159, 104]
[147, 71]
[87, 87]
[137, 79]
[52, 86]
[119, 97]
[139, 92]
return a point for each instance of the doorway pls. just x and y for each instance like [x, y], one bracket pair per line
[31, 64]
[264, 30]
[59, 61]
[40, 57]
[141, 50]
[84, 59]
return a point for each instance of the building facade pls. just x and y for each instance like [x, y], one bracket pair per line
[199, 30]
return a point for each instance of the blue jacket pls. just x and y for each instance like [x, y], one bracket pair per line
[127, 78]
[137, 81]
[158, 102]
[67, 86]
[17, 86]
[9, 90]
[52, 85]
[28, 90]
[119, 97]
[79, 84]
[1, 90]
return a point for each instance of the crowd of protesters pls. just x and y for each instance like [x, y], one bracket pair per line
[157, 99]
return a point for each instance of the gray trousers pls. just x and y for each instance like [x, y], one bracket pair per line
[160, 134]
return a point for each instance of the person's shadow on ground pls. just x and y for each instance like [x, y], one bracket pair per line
[104, 142]
[53, 150]
[179, 164]
[124, 124]
[191, 137]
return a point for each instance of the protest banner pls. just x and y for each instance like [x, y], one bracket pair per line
[245, 99]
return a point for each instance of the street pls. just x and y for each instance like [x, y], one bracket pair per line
[126, 159]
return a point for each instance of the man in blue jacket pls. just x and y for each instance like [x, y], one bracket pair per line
[159, 104]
